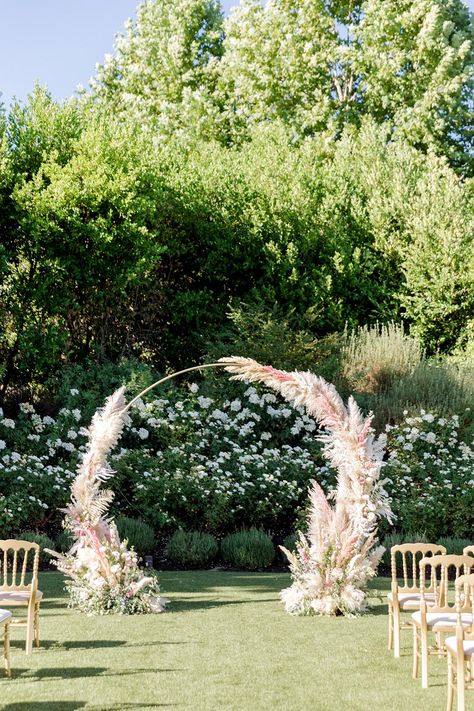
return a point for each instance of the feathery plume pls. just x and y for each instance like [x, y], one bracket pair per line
[104, 574]
[334, 563]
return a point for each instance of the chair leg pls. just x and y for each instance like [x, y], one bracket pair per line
[390, 626]
[415, 651]
[30, 623]
[460, 681]
[36, 625]
[449, 704]
[424, 658]
[6, 649]
[396, 632]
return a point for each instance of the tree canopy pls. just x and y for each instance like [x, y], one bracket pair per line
[312, 155]
[315, 65]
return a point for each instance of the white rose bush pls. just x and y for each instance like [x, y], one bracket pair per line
[431, 473]
[206, 462]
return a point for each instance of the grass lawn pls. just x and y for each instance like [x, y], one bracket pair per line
[225, 643]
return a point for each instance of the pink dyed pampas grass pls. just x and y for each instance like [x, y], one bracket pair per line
[104, 576]
[338, 556]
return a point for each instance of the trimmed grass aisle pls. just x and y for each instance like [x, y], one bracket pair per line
[225, 643]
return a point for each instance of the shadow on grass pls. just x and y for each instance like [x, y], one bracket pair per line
[103, 643]
[376, 611]
[72, 705]
[52, 644]
[119, 707]
[190, 605]
[45, 706]
[82, 672]
[153, 644]
[53, 604]
[382, 584]
[205, 581]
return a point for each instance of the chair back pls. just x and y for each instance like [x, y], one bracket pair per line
[442, 570]
[17, 558]
[405, 558]
[464, 591]
[468, 550]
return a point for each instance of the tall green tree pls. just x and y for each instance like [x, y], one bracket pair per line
[279, 63]
[317, 65]
[78, 206]
[414, 66]
[163, 69]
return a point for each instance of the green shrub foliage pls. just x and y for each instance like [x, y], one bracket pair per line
[455, 545]
[229, 458]
[117, 244]
[262, 186]
[314, 67]
[192, 548]
[387, 370]
[140, 535]
[395, 539]
[252, 549]
[63, 542]
[289, 542]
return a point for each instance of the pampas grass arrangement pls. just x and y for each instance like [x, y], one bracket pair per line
[333, 562]
[103, 573]
[338, 556]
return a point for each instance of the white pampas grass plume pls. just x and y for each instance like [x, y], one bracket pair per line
[104, 433]
[338, 555]
[96, 538]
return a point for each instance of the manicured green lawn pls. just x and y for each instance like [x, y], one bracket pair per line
[225, 643]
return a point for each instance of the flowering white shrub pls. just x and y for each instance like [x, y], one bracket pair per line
[185, 460]
[430, 475]
[226, 463]
[37, 461]
[240, 462]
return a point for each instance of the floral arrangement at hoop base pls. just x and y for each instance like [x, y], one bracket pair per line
[104, 576]
[119, 587]
[332, 581]
[335, 561]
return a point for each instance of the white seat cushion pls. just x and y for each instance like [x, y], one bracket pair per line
[411, 601]
[468, 645]
[441, 620]
[4, 616]
[17, 596]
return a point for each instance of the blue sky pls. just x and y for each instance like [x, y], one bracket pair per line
[59, 42]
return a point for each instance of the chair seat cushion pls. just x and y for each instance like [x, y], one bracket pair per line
[441, 620]
[5, 615]
[468, 645]
[411, 601]
[17, 597]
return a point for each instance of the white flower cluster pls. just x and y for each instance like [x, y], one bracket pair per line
[430, 475]
[249, 457]
[230, 456]
[247, 460]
